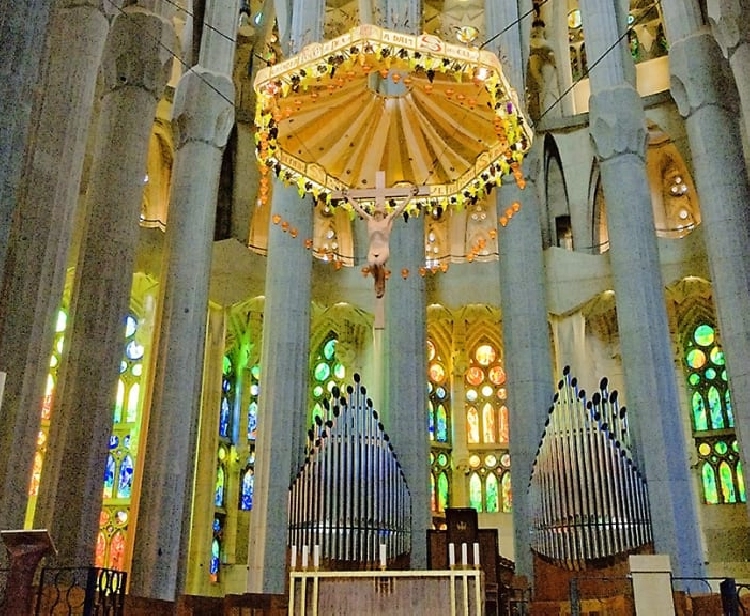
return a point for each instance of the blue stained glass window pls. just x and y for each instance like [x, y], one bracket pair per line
[109, 476]
[248, 485]
[442, 424]
[125, 482]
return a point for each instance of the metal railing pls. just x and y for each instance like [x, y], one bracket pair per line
[81, 591]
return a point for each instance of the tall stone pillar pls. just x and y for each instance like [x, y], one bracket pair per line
[399, 15]
[284, 396]
[618, 130]
[23, 32]
[526, 344]
[203, 115]
[82, 423]
[523, 302]
[729, 23]
[406, 418]
[38, 254]
[722, 183]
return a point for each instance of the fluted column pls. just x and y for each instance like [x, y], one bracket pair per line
[729, 23]
[618, 130]
[526, 344]
[284, 396]
[202, 117]
[23, 29]
[80, 431]
[722, 183]
[38, 253]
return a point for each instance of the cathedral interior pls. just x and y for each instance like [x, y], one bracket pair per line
[187, 292]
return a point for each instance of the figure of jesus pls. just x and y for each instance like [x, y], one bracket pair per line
[379, 225]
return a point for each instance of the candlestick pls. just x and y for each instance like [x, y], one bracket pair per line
[382, 554]
[476, 555]
[294, 557]
[451, 555]
[316, 556]
[464, 554]
[305, 556]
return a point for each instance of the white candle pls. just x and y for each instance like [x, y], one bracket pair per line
[294, 557]
[305, 556]
[316, 556]
[476, 555]
[382, 555]
[464, 554]
[451, 554]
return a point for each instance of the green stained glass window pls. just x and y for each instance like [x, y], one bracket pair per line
[433, 495]
[717, 356]
[339, 371]
[329, 349]
[700, 418]
[694, 379]
[475, 492]
[219, 488]
[322, 371]
[442, 424]
[727, 483]
[741, 482]
[492, 494]
[442, 491]
[714, 404]
[704, 335]
[507, 493]
[720, 447]
[442, 459]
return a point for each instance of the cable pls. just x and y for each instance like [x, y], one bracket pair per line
[513, 23]
[173, 54]
[589, 68]
[204, 23]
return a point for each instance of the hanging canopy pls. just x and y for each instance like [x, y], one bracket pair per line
[422, 111]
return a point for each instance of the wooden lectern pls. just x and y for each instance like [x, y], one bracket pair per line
[25, 549]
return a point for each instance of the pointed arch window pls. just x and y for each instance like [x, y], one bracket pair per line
[120, 466]
[327, 372]
[712, 416]
[489, 483]
[486, 397]
[439, 426]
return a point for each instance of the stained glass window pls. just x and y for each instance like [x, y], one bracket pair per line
[327, 372]
[41, 445]
[440, 480]
[711, 411]
[217, 529]
[485, 392]
[119, 473]
[439, 418]
[489, 482]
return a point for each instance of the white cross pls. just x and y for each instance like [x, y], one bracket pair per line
[380, 194]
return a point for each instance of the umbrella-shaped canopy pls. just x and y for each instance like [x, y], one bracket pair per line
[424, 112]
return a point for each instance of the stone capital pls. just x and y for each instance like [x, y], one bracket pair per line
[617, 122]
[697, 74]
[729, 23]
[203, 108]
[137, 52]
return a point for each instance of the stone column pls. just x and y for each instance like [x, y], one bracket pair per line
[729, 23]
[722, 183]
[398, 15]
[135, 68]
[23, 32]
[284, 371]
[284, 359]
[618, 130]
[523, 303]
[38, 255]
[459, 365]
[406, 418]
[526, 344]
[203, 115]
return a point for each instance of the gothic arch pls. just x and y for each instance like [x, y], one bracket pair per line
[556, 196]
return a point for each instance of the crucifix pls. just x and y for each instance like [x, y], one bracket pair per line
[380, 222]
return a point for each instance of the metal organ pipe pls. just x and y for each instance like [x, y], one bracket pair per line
[350, 495]
[590, 501]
